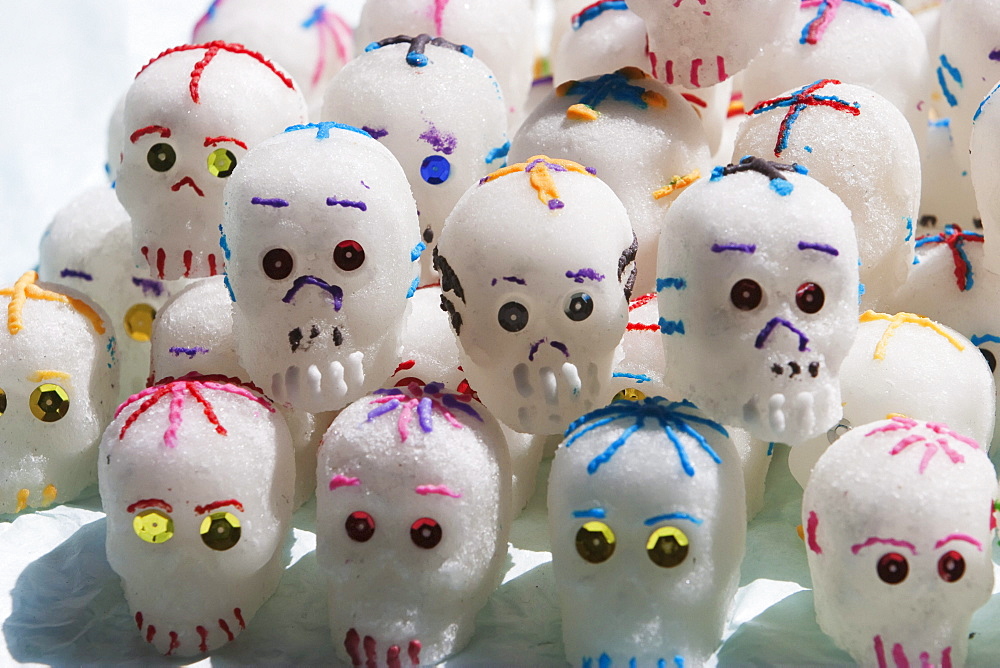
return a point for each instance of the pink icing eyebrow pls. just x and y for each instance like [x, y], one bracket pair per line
[959, 536]
[884, 541]
[343, 481]
[443, 490]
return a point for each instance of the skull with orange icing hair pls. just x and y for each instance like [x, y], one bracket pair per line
[196, 478]
[899, 517]
[190, 116]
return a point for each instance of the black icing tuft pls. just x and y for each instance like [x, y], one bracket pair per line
[454, 316]
[449, 279]
[628, 257]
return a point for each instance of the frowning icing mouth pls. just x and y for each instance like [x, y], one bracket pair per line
[187, 181]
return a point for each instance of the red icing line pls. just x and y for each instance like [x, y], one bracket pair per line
[993, 516]
[225, 627]
[174, 643]
[149, 129]
[212, 141]
[208, 410]
[148, 503]
[239, 618]
[392, 657]
[150, 632]
[138, 615]
[899, 656]
[404, 366]
[414, 652]
[669, 71]
[639, 327]
[954, 241]
[201, 510]
[695, 66]
[212, 270]
[720, 63]
[369, 644]
[946, 658]
[145, 253]
[203, 633]
[188, 255]
[161, 258]
[639, 302]
[694, 99]
[811, 526]
[880, 652]
[351, 643]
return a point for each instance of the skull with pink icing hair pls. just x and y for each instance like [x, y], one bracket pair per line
[898, 517]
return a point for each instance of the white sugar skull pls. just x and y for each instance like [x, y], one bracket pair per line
[640, 372]
[58, 384]
[820, 126]
[644, 140]
[698, 43]
[437, 108]
[898, 517]
[905, 364]
[536, 267]
[983, 150]
[648, 523]
[412, 517]
[601, 37]
[946, 191]
[196, 480]
[758, 291]
[323, 236]
[190, 116]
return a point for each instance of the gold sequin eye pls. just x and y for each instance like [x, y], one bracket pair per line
[221, 162]
[630, 394]
[220, 531]
[153, 526]
[49, 402]
[3, 402]
[139, 321]
[667, 547]
[595, 542]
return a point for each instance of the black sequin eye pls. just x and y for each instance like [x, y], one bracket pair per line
[3, 402]
[951, 566]
[892, 568]
[579, 306]
[990, 358]
[746, 294]
[277, 263]
[667, 547]
[425, 533]
[809, 298]
[161, 157]
[360, 526]
[513, 316]
[220, 531]
[595, 542]
[48, 402]
[349, 255]
[221, 163]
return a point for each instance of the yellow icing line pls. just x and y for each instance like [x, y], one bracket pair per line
[49, 495]
[889, 416]
[677, 183]
[654, 99]
[39, 376]
[540, 177]
[22, 500]
[896, 321]
[582, 112]
[632, 73]
[25, 289]
[563, 88]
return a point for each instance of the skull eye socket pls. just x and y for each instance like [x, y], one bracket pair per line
[667, 547]
[435, 169]
[360, 526]
[892, 568]
[838, 430]
[809, 298]
[153, 526]
[349, 255]
[595, 542]
[161, 157]
[951, 566]
[579, 306]
[746, 294]
[49, 402]
[3, 402]
[991, 359]
[138, 322]
[425, 533]
[277, 264]
[220, 531]
[513, 316]
[221, 163]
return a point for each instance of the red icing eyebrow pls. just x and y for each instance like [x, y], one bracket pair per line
[875, 540]
[201, 510]
[959, 536]
[443, 490]
[149, 129]
[142, 504]
[212, 141]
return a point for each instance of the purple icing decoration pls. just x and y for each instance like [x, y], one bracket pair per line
[73, 273]
[276, 202]
[995, 54]
[451, 402]
[190, 352]
[591, 170]
[579, 276]
[148, 285]
[302, 281]
[376, 133]
[333, 201]
[551, 165]
[367, 187]
[742, 248]
[433, 388]
[424, 408]
[561, 347]
[442, 142]
[513, 279]
[555, 204]
[387, 407]
[534, 349]
[774, 322]
[822, 248]
[391, 391]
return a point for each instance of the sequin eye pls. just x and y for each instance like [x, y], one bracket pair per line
[425, 533]
[435, 169]
[892, 568]
[153, 526]
[990, 358]
[3, 402]
[629, 394]
[348, 255]
[809, 298]
[579, 306]
[360, 526]
[161, 157]
[513, 316]
[221, 163]
[951, 566]
[746, 294]
[138, 322]
[595, 542]
[838, 430]
[277, 264]
[667, 547]
[220, 531]
[49, 402]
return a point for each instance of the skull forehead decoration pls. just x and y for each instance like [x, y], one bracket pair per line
[436, 107]
[536, 264]
[758, 285]
[412, 517]
[58, 383]
[190, 116]
[698, 43]
[647, 520]
[898, 515]
[196, 479]
[323, 240]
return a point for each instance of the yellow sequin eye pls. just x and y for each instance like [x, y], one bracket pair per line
[49, 402]
[221, 162]
[153, 526]
[667, 547]
[3, 402]
[595, 542]
[220, 531]
[629, 394]
[139, 321]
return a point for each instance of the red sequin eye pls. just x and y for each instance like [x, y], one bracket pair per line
[746, 294]
[360, 526]
[951, 566]
[425, 533]
[892, 568]
[349, 255]
[809, 298]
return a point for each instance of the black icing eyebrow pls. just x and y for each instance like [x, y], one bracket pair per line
[415, 57]
[822, 248]
[509, 279]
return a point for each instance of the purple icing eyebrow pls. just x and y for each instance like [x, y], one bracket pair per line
[822, 248]
[148, 285]
[561, 347]
[368, 187]
[73, 273]
[584, 273]
[441, 141]
[510, 279]
[333, 201]
[375, 133]
[177, 351]
[276, 202]
[750, 249]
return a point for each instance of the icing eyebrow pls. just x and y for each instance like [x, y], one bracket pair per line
[959, 536]
[979, 339]
[822, 248]
[359, 205]
[424, 490]
[671, 516]
[177, 351]
[201, 510]
[150, 503]
[149, 129]
[75, 273]
[875, 540]
[39, 376]
[339, 481]
[276, 202]
[148, 285]
[749, 249]
[509, 279]
[212, 141]
[585, 273]
[593, 513]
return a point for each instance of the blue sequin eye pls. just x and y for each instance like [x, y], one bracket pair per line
[435, 169]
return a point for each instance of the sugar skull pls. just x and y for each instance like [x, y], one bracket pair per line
[196, 480]
[437, 108]
[601, 37]
[905, 364]
[758, 284]
[818, 126]
[323, 240]
[412, 518]
[536, 266]
[190, 116]
[58, 384]
[613, 123]
[946, 192]
[698, 43]
[983, 148]
[648, 523]
[899, 519]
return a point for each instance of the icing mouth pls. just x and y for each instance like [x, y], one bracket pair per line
[229, 628]
[187, 181]
[354, 645]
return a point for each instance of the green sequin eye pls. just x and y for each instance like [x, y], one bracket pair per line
[595, 542]
[220, 531]
[161, 157]
[48, 402]
[153, 526]
[221, 162]
[3, 402]
[667, 547]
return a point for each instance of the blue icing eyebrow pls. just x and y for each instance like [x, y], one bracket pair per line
[671, 516]
[594, 513]
[323, 129]
[984, 338]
